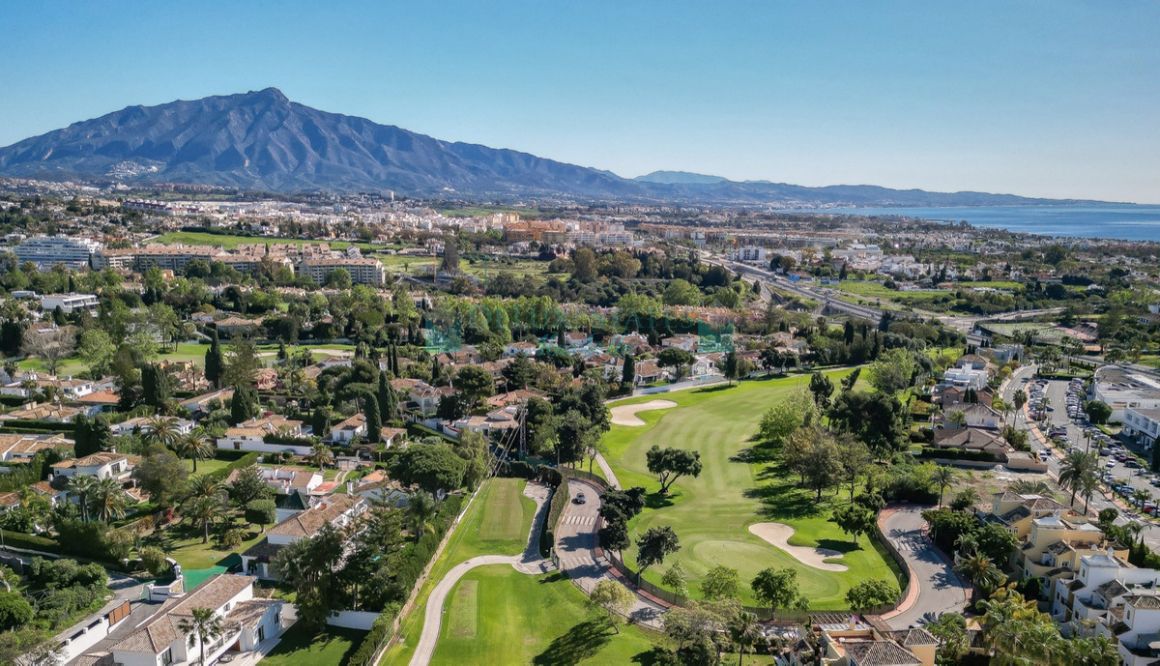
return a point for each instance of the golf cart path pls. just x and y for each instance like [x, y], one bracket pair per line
[778, 536]
[529, 562]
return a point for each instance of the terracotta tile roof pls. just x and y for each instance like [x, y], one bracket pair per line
[161, 630]
[307, 523]
[880, 653]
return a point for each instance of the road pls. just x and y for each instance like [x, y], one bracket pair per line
[1056, 393]
[576, 543]
[939, 589]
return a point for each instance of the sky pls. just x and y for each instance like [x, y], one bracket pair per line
[1057, 99]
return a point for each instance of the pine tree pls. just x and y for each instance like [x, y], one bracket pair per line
[395, 360]
[215, 362]
[560, 337]
[320, 422]
[374, 419]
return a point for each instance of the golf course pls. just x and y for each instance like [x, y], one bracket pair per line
[712, 514]
[497, 615]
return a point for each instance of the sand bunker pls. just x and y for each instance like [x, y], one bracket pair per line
[778, 534]
[625, 415]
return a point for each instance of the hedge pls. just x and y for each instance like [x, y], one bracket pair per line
[30, 542]
[559, 502]
[952, 454]
[49, 426]
[379, 634]
[251, 458]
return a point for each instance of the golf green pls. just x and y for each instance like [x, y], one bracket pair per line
[711, 514]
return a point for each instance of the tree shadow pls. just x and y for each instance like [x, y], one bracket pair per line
[553, 578]
[657, 655]
[838, 545]
[580, 642]
[780, 501]
[715, 389]
[658, 501]
[755, 455]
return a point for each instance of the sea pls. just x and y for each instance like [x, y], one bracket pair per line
[1121, 222]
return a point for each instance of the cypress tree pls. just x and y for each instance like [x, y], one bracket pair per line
[154, 385]
[436, 370]
[374, 419]
[320, 422]
[386, 398]
[629, 374]
[215, 362]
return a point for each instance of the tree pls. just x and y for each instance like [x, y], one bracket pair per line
[1075, 469]
[981, 571]
[420, 509]
[388, 401]
[676, 580]
[312, 568]
[720, 582]
[813, 454]
[854, 459]
[670, 464]
[194, 445]
[215, 362]
[97, 349]
[893, 371]
[15, 611]
[450, 262]
[870, 594]
[202, 626]
[249, 485]
[951, 631]
[261, 512]
[943, 477]
[786, 416]
[1098, 411]
[1020, 399]
[153, 559]
[242, 363]
[243, 405]
[161, 475]
[628, 373]
[681, 292]
[675, 358]
[50, 345]
[778, 589]
[320, 454]
[614, 598]
[654, 545]
[821, 388]
[155, 389]
[854, 520]
[374, 420]
[107, 501]
[474, 384]
[584, 265]
[873, 417]
[732, 367]
[432, 467]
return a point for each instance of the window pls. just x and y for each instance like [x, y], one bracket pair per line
[167, 657]
[261, 632]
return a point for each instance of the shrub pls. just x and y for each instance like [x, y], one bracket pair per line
[153, 559]
[15, 611]
[261, 512]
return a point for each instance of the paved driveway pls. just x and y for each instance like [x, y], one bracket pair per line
[939, 589]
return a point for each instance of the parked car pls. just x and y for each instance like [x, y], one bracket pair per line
[580, 498]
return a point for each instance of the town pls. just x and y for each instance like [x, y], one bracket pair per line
[352, 429]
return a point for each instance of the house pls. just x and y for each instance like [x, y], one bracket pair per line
[207, 402]
[634, 343]
[1055, 545]
[498, 420]
[517, 397]
[975, 415]
[246, 620]
[966, 377]
[56, 497]
[513, 349]
[973, 440]
[1093, 599]
[1016, 512]
[947, 395]
[339, 511]
[100, 401]
[231, 326]
[1139, 629]
[1142, 425]
[266, 379]
[424, 398]
[648, 371]
[144, 425]
[286, 480]
[43, 412]
[685, 342]
[576, 339]
[345, 431]
[9, 501]
[17, 448]
[858, 644]
[103, 465]
[972, 362]
[251, 436]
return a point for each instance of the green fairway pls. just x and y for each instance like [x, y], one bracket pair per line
[496, 523]
[230, 242]
[712, 513]
[512, 618]
[330, 647]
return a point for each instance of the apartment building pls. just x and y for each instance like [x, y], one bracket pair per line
[862, 645]
[1056, 544]
[1091, 601]
[1017, 512]
[165, 257]
[1142, 424]
[363, 270]
[49, 251]
[69, 303]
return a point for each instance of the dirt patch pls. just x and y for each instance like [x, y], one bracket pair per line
[778, 535]
[625, 415]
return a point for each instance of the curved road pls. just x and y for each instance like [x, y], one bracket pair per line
[937, 589]
[529, 562]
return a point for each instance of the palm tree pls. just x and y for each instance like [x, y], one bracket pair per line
[108, 500]
[1020, 399]
[981, 571]
[202, 510]
[194, 445]
[744, 632]
[1140, 496]
[202, 626]
[1088, 487]
[205, 486]
[1028, 487]
[1075, 468]
[161, 430]
[320, 455]
[943, 476]
[83, 487]
[420, 508]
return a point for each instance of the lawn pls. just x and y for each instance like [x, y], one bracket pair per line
[184, 545]
[496, 523]
[330, 647]
[711, 514]
[519, 269]
[496, 615]
[207, 466]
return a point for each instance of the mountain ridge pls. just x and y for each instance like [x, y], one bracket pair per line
[261, 140]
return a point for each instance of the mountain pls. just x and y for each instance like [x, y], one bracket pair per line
[263, 141]
[679, 178]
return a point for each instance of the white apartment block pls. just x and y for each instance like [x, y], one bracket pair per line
[1142, 424]
[363, 270]
[69, 303]
[49, 251]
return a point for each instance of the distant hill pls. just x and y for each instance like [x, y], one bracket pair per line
[263, 141]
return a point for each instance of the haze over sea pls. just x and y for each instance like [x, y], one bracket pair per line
[1125, 222]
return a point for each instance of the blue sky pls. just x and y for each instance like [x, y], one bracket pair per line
[1057, 99]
